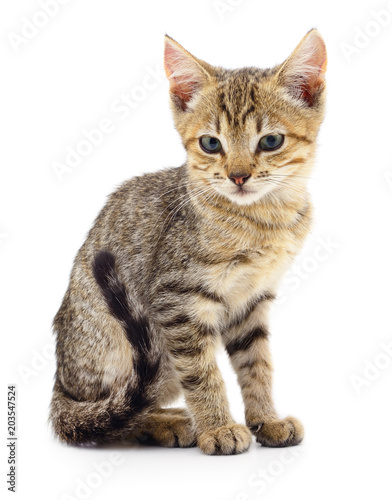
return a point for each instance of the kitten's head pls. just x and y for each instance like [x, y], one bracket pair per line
[248, 133]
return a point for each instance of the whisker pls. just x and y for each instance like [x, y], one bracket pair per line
[192, 195]
[176, 200]
[180, 206]
[187, 183]
[305, 177]
[298, 190]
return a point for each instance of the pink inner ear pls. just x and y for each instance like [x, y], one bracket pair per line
[304, 73]
[312, 81]
[319, 61]
[183, 81]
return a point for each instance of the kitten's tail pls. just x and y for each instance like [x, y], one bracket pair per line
[111, 418]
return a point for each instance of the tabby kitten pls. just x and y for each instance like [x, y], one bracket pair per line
[185, 258]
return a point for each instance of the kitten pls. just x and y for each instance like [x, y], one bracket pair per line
[182, 259]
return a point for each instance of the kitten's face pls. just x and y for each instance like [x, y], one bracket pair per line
[246, 139]
[249, 133]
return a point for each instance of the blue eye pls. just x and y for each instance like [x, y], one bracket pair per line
[271, 142]
[210, 144]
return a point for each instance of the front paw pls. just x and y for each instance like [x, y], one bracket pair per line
[279, 433]
[229, 439]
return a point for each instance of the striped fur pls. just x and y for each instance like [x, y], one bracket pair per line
[183, 259]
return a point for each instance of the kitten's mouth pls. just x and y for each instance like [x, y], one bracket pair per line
[243, 191]
[243, 195]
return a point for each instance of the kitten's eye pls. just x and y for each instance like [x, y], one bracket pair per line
[271, 142]
[210, 144]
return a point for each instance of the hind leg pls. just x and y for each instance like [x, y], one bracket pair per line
[170, 427]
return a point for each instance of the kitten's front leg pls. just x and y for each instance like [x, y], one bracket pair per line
[248, 347]
[192, 348]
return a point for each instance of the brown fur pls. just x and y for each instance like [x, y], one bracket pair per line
[182, 259]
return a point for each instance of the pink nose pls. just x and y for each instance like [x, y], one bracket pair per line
[239, 179]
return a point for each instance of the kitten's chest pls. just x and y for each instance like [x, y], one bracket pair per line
[241, 259]
[249, 273]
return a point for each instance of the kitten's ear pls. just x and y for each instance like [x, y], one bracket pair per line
[186, 74]
[303, 72]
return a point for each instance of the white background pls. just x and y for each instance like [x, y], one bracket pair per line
[335, 309]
